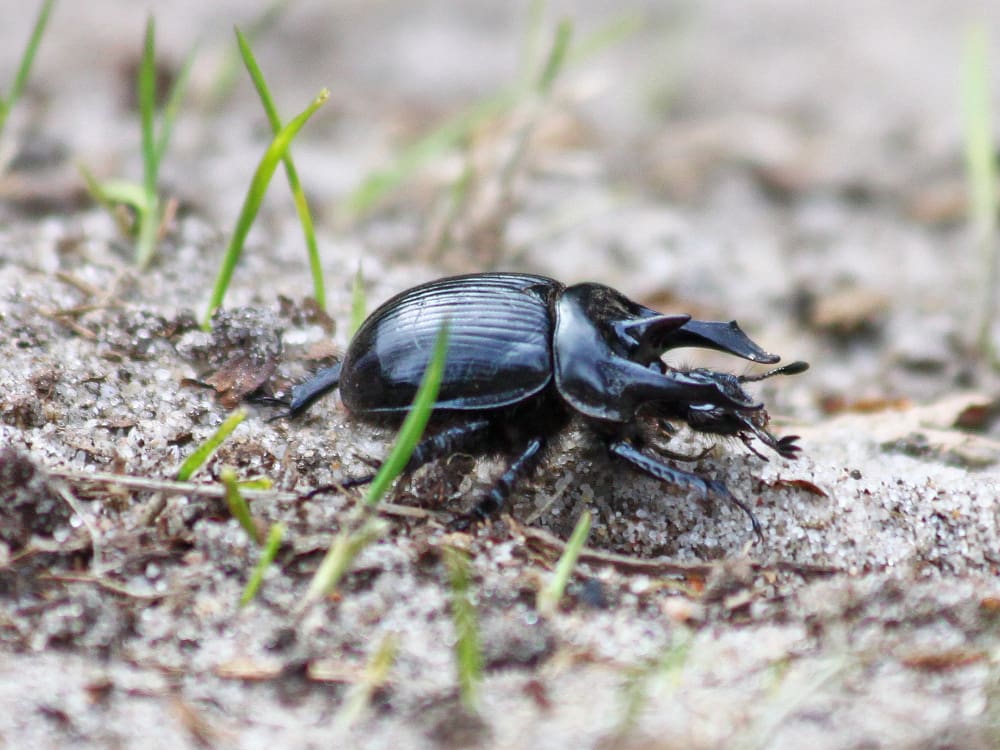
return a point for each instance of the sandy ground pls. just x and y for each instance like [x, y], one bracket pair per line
[796, 167]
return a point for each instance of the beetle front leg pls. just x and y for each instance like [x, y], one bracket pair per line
[501, 490]
[686, 479]
[305, 394]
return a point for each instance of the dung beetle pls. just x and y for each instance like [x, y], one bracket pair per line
[526, 354]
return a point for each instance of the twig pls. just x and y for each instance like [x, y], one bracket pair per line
[95, 545]
[170, 486]
[660, 566]
[60, 317]
[104, 584]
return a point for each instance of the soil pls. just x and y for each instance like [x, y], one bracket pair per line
[796, 166]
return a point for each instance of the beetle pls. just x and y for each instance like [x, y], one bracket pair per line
[526, 354]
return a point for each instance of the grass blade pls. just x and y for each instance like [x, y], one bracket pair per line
[143, 198]
[27, 60]
[204, 451]
[981, 170]
[551, 595]
[149, 217]
[468, 654]
[337, 560]
[173, 106]
[298, 194]
[532, 40]
[256, 483]
[556, 58]
[238, 505]
[415, 422]
[147, 106]
[267, 555]
[346, 546]
[112, 192]
[149, 228]
[669, 668]
[979, 154]
[255, 195]
[375, 676]
[358, 302]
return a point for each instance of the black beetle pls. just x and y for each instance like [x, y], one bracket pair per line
[526, 353]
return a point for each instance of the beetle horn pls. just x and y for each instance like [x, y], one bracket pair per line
[655, 325]
[649, 333]
[724, 337]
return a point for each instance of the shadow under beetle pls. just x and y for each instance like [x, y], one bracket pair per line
[527, 353]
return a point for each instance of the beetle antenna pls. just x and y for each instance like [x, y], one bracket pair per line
[792, 368]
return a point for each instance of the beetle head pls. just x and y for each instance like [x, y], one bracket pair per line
[606, 351]
[719, 420]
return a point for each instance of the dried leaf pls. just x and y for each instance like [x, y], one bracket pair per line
[240, 375]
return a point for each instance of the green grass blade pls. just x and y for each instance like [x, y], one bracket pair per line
[542, 88]
[979, 154]
[95, 188]
[415, 422]
[298, 194]
[256, 483]
[255, 195]
[257, 76]
[337, 560]
[113, 192]
[27, 60]
[551, 595]
[147, 106]
[173, 105]
[981, 169]
[238, 504]
[104, 195]
[346, 546]
[267, 555]
[204, 451]
[375, 675]
[149, 228]
[358, 302]
[980, 157]
[532, 40]
[669, 667]
[468, 654]
[556, 58]
[149, 218]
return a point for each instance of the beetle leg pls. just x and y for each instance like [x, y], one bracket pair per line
[451, 440]
[446, 442]
[305, 394]
[659, 470]
[678, 456]
[500, 492]
[340, 486]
